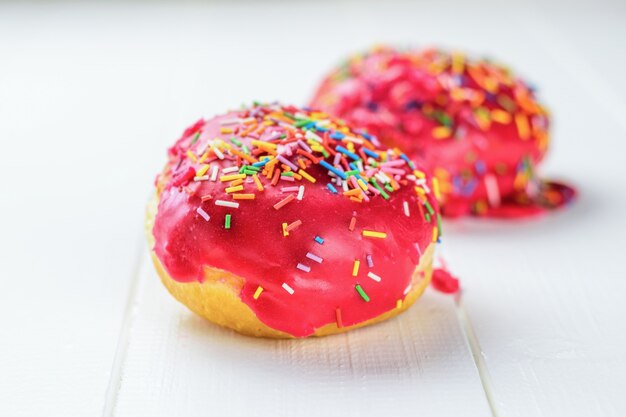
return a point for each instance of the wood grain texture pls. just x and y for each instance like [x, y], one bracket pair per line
[178, 364]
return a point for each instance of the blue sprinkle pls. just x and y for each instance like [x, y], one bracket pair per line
[408, 161]
[366, 136]
[337, 135]
[333, 169]
[480, 166]
[321, 129]
[370, 153]
[260, 164]
[331, 188]
[319, 239]
[347, 152]
[352, 165]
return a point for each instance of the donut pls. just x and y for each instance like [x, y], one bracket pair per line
[282, 222]
[475, 125]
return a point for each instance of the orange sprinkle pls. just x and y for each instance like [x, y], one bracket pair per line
[352, 224]
[338, 317]
[243, 155]
[523, 129]
[441, 132]
[243, 196]
[236, 182]
[353, 192]
[232, 177]
[284, 201]
[293, 225]
[259, 186]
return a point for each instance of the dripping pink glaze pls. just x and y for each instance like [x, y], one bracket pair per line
[375, 94]
[255, 249]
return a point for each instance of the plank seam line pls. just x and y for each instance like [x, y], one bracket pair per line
[115, 379]
[479, 360]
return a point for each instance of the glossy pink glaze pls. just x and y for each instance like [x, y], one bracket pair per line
[254, 247]
[392, 94]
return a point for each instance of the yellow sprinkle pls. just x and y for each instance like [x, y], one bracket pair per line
[264, 145]
[522, 126]
[285, 232]
[441, 132]
[258, 292]
[243, 196]
[192, 156]
[420, 190]
[259, 186]
[371, 233]
[419, 174]
[234, 189]
[226, 130]
[399, 304]
[203, 157]
[355, 268]
[307, 176]
[362, 184]
[225, 178]
[457, 63]
[435, 233]
[435, 182]
[500, 116]
[202, 170]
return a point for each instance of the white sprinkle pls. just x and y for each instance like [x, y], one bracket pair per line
[248, 120]
[203, 213]
[373, 276]
[303, 267]
[230, 169]
[312, 136]
[219, 154]
[407, 213]
[224, 203]
[493, 193]
[314, 257]
[352, 139]
[407, 289]
[345, 186]
[287, 288]
[370, 261]
[230, 121]
[214, 173]
[202, 178]
[337, 158]
[300, 192]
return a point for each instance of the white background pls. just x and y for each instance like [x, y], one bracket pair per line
[91, 96]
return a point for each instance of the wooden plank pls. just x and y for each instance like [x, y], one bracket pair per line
[178, 364]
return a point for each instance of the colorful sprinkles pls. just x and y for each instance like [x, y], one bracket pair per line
[283, 149]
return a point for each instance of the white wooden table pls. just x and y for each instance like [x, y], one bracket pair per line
[90, 96]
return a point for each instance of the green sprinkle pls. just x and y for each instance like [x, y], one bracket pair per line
[286, 174]
[439, 225]
[352, 172]
[389, 187]
[427, 216]
[382, 192]
[281, 137]
[362, 293]
[227, 221]
[245, 150]
[235, 141]
[429, 208]
[195, 138]
[289, 115]
[302, 122]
